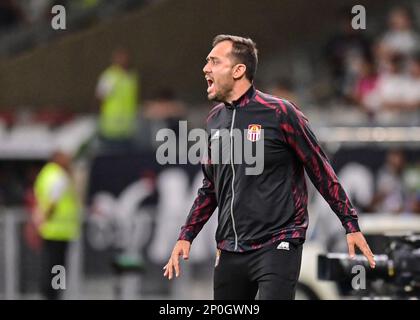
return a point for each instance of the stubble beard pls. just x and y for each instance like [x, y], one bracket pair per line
[220, 96]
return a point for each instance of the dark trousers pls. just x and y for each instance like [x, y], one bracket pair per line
[270, 270]
[53, 253]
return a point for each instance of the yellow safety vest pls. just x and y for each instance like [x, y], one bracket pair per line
[119, 108]
[64, 222]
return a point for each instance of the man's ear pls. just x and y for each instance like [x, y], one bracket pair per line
[239, 71]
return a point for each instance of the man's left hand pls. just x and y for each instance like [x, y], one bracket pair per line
[357, 239]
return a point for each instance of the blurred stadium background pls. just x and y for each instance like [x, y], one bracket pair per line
[359, 88]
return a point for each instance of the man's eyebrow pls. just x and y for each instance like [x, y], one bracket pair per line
[211, 58]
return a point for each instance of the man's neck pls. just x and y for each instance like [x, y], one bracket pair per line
[239, 91]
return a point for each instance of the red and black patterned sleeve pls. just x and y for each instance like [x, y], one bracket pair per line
[203, 207]
[297, 134]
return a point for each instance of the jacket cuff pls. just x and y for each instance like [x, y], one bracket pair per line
[186, 235]
[351, 226]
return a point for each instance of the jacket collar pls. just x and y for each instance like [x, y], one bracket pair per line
[243, 100]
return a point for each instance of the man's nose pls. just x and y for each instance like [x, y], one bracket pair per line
[206, 68]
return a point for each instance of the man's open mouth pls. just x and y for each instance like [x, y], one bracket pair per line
[210, 84]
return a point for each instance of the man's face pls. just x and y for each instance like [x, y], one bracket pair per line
[399, 20]
[63, 159]
[218, 72]
[122, 58]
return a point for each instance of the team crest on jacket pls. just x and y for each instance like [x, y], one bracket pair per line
[254, 132]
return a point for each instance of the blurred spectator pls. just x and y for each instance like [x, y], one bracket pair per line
[365, 85]
[165, 106]
[358, 181]
[401, 38]
[412, 88]
[391, 90]
[56, 217]
[283, 88]
[343, 51]
[391, 85]
[390, 190]
[36, 10]
[117, 91]
[164, 111]
[10, 14]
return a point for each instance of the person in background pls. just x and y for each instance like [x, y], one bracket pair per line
[391, 85]
[56, 217]
[165, 106]
[364, 89]
[117, 92]
[412, 89]
[342, 53]
[401, 38]
[164, 110]
[390, 190]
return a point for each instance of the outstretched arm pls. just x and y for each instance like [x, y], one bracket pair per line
[297, 133]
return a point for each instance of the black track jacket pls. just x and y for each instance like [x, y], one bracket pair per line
[256, 210]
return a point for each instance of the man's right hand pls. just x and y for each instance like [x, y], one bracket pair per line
[182, 247]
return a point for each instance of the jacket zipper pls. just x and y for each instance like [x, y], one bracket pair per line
[233, 179]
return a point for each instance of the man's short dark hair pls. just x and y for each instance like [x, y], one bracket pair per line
[244, 51]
